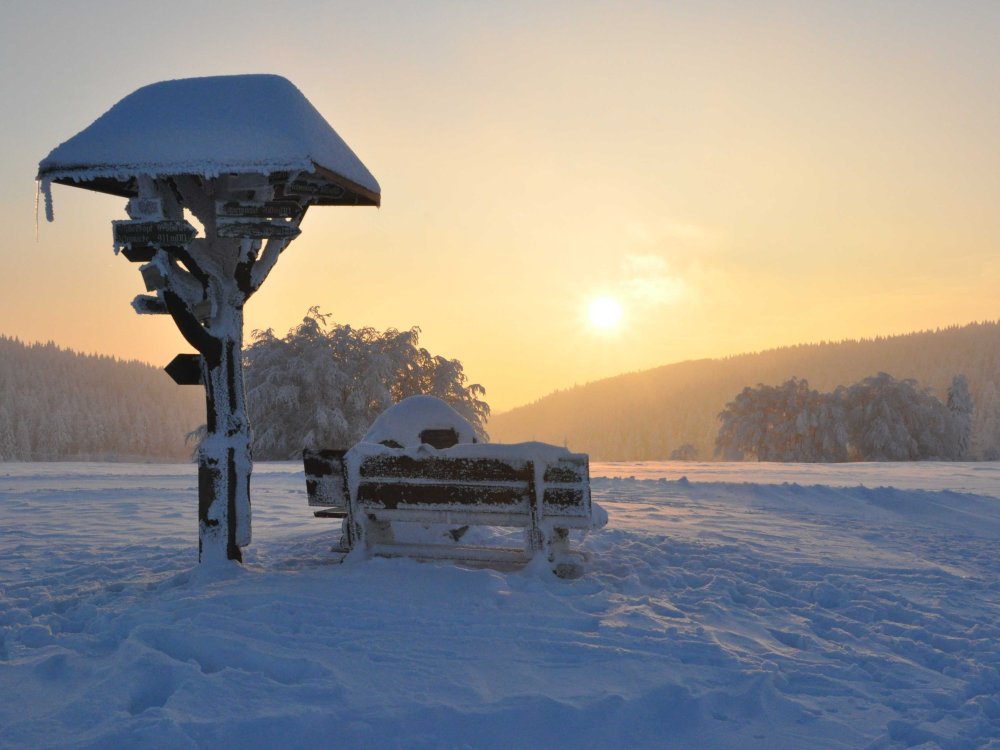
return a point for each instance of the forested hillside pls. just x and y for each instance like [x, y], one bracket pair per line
[56, 404]
[649, 415]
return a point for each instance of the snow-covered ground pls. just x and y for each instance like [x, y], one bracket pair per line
[742, 606]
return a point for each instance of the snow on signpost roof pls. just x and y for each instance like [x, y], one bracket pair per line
[240, 124]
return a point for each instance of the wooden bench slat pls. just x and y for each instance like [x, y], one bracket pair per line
[391, 495]
[485, 469]
[560, 499]
[503, 555]
[461, 515]
[331, 512]
[565, 472]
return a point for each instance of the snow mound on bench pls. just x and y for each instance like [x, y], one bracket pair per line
[403, 422]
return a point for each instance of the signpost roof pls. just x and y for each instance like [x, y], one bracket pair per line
[247, 124]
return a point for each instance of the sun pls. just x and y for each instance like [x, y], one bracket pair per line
[604, 313]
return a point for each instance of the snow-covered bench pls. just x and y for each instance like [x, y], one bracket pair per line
[419, 481]
[540, 488]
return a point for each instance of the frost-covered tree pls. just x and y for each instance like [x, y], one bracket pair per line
[986, 425]
[877, 419]
[686, 452]
[961, 408]
[789, 422]
[323, 384]
[896, 420]
[58, 405]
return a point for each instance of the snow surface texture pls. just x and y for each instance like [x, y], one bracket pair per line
[403, 422]
[206, 126]
[713, 615]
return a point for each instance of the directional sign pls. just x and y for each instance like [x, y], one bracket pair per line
[257, 230]
[250, 210]
[139, 253]
[145, 209]
[322, 190]
[153, 232]
[149, 304]
[152, 277]
[185, 369]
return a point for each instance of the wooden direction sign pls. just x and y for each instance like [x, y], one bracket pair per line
[145, 209]
[139, 253]
[149, 304]
[321, 190]
[152, 277]
[185, 369]
[257, 230]
[250, 210]
[175, 232]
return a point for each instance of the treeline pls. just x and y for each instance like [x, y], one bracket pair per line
[878, 419]
[56, 404]
[321, 385]
[674, 409]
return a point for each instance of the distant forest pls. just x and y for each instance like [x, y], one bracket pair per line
[56, 404]
[674, 410]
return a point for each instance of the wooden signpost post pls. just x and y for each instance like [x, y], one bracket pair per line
[249, 215]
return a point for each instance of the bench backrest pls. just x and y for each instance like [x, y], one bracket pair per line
[393, 481]
[475, 484]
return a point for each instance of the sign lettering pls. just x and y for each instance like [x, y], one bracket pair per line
[249, 210]
[322, 190]
[153, 232]
[257, 230]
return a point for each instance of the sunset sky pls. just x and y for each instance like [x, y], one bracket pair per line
[724, 176]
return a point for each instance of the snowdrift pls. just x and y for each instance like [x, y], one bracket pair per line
[714, 615]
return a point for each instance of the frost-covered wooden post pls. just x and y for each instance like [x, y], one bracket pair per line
[245, 156]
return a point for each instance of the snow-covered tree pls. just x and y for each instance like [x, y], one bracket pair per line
[896, 420]
[789, 422]
[56, 404]
[986, 425]
[323, 384]
[961, 408]
[686, 452]
[878, 419]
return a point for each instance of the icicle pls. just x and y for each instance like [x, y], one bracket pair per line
[47, 192]
[38, 192]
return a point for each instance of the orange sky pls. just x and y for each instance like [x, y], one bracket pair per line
[738, 176]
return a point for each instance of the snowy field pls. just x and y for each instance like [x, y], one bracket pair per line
[743, 606]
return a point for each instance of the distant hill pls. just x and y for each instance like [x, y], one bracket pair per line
[56, 404]
[647, 415]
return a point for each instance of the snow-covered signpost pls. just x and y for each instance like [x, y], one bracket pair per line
[245, 156]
